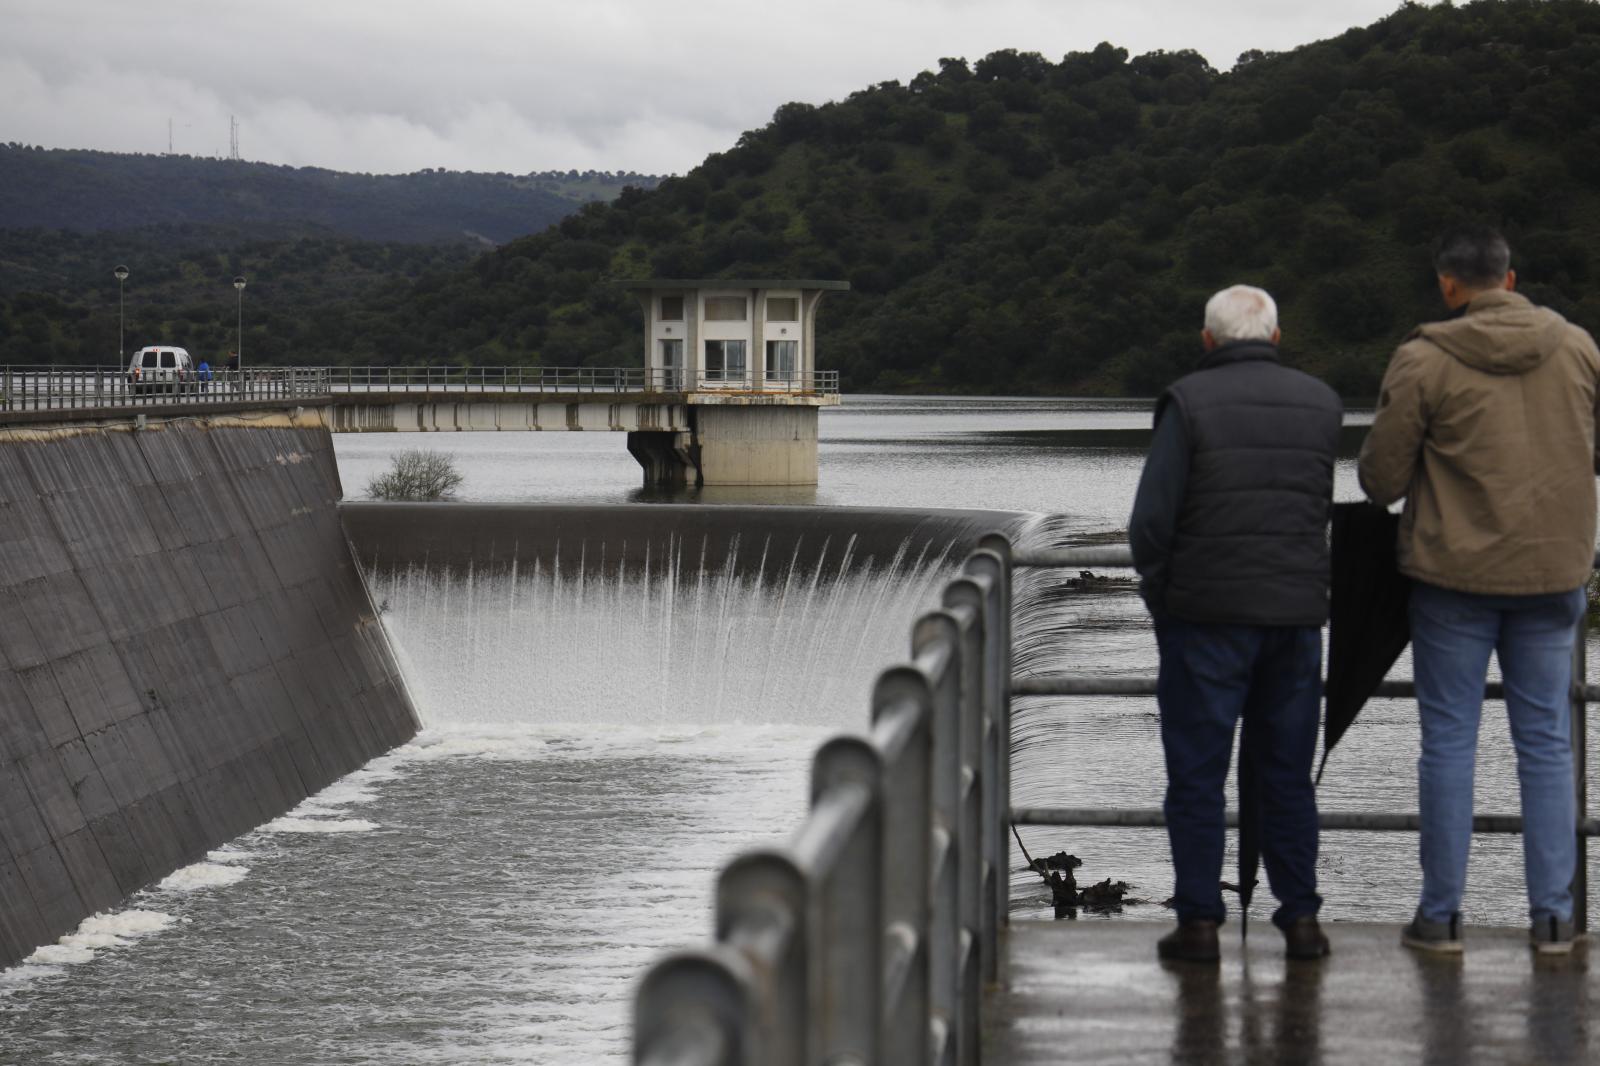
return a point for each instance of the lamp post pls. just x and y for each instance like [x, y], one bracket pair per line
[121, 274]
[238, 352]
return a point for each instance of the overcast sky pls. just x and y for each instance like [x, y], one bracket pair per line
[523, 85]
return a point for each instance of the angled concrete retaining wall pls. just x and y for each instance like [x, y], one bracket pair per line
[186, 651]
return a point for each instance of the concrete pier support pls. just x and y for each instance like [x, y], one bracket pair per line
[731, 443]
[755, 445]
[664, 457]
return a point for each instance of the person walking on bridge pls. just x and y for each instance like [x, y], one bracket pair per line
[1486, 425]
[1229, 535]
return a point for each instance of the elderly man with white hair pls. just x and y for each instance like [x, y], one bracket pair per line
[1229, 534]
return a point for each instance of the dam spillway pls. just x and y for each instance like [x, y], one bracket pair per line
[651, 614]
[186, 651]
[599, 731]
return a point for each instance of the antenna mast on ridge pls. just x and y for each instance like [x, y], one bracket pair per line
[233, 138]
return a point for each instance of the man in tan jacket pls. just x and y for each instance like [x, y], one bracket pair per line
[1486, 425]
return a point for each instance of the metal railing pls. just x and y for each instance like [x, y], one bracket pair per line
[83, 388]
[579, 379]
[1579, 695]
[62, 388]
[867, 939]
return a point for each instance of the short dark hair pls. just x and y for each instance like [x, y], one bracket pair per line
[1475, 255]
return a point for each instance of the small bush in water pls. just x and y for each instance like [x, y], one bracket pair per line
[417, 474]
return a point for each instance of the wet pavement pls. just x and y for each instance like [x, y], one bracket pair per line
[1094, 992]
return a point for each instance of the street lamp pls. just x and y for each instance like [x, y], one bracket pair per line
[121, 274]
[238, 352]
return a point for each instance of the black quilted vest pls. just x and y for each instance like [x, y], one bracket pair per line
[1252, 537]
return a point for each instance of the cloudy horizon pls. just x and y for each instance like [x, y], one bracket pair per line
[496, 85]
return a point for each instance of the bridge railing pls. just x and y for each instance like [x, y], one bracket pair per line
[65, 388]
[74, 388]
[867, 939]
[578, 379]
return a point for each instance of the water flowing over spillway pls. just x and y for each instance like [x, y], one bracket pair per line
[598, 739]
[684, 638]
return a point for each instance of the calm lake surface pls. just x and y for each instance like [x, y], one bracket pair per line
[490, 892]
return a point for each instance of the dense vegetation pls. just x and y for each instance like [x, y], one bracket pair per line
[90, 191]
[312, 244]
[1023, 225]
[58, 303]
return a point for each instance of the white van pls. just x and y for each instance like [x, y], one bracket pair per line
[160, 368]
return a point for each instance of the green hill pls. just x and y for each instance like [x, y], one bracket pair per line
[312, 243]
[1024, 225]
[89, 192]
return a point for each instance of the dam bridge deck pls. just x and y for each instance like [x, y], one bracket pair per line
[32, 393]
[725, 427]
[881, 933]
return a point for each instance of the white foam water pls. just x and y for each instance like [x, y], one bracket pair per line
[96, 934]
[684, 639]
[291, 824]
[203, 875]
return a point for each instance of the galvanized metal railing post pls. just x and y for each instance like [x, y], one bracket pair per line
[847, 912]
[762, 912]
[994, 552]
[970, 595]
[693, 1009]
[937, 638]
[980, 591]
[902, 709]
[1579, 726]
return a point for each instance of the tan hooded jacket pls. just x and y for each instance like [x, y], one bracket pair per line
[1486, 425]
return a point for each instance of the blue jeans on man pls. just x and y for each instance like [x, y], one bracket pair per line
[1212, 676]
[1452, 634]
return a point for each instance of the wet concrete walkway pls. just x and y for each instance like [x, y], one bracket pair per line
[1094, 992]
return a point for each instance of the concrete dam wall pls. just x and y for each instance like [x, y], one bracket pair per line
[187, 650]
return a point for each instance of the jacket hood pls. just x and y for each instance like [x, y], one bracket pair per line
[1499, 333]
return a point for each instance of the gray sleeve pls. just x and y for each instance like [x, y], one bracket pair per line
[1154, 523]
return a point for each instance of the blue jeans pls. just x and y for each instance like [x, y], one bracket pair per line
[1452, 634]
[1212, 675]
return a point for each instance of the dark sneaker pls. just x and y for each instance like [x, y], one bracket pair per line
[1303, 938]
[1440, 938]
[1194, 941]
[1549, 935]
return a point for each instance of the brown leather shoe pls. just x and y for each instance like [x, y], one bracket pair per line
[1194, 941]
[1303, 938]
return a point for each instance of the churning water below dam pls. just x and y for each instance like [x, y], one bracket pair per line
[599, 738]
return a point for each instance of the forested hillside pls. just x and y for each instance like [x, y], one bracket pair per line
[1023, 225]
[312, 243]
[93, 191]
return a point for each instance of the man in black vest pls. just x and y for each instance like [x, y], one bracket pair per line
[1229, 534]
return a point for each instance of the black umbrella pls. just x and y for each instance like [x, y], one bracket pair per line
[1249, 827]
[1367, 631]
[1367, 625]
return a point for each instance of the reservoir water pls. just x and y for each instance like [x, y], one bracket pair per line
[490, 892]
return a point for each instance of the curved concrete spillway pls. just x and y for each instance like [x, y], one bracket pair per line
[187, 650]
[478, 536]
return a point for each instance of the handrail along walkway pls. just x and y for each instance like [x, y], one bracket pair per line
[869, 938]
[72, 388]
[1579, 695]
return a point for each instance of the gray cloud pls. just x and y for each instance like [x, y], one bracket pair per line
[641, 85]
